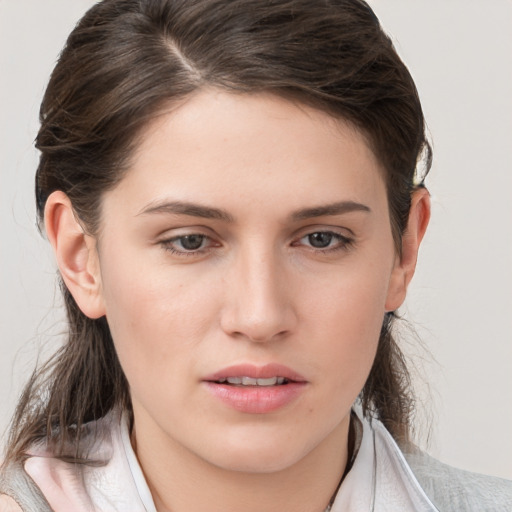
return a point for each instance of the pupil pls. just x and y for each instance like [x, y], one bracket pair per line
[192, 242]
[320, 240]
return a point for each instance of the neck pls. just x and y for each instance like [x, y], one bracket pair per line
[306, 486]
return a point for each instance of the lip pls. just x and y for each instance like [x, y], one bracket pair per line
[256, 372]
[256, 399]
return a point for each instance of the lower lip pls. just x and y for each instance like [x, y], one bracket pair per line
[256, 399]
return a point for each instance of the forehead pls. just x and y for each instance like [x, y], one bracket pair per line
[219, 146]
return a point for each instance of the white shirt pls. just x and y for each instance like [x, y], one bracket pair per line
[380, 480]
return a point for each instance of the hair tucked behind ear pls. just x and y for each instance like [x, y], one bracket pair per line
[387, 391]
[68, 390]
[127, 60]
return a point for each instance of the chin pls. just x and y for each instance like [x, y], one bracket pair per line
[257, 463]
[256, 456]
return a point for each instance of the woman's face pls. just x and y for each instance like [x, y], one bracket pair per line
[250, 238]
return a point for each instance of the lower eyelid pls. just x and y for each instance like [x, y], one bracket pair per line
[167, 246]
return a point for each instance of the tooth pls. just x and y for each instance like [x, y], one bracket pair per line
[250, 381]
[271, 381]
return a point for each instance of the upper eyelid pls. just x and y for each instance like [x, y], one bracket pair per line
[339, 236]
[337, 230]
[178, 232]
[178, 237]
[329, 231]
[168, 235]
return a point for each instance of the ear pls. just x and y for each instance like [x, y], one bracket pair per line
[76, 254]
[405, 264]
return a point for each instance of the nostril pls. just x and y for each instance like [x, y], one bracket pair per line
[258, 335]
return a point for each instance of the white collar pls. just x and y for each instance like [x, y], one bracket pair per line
[380, 479]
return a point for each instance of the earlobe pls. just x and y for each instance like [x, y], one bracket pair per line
[76, 254]
[405, 264]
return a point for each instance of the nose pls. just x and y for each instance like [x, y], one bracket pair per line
[259, 306]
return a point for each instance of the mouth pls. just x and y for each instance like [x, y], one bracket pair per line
[252, 382]
[268, 375]
[256, 389]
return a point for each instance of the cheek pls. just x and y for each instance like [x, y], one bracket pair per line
[156, 317]
[346, 319]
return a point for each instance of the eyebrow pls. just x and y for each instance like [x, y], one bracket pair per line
[338, 208]
[208, 212]
[186, 208]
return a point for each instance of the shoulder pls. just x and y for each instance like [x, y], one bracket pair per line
[7, 504]
[18, 491]
[450, 488]
[447, 488]
[101, 478]
[41, 481]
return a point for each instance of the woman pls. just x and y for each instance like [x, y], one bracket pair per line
[232, 194]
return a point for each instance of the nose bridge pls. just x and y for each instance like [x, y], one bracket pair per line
[259, 307]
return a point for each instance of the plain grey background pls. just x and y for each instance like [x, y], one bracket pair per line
[459, 52]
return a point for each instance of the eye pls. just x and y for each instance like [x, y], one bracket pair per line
[326, 240]
[187, 244]
[320, 240]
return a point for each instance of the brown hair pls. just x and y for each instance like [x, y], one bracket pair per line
[124, 62]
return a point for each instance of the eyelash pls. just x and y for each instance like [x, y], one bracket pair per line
[343, 244]
[168, 245]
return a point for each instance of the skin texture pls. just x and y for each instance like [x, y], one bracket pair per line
[256, 291]
[8, 504]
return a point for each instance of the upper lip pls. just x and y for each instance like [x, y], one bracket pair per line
[256, 372]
